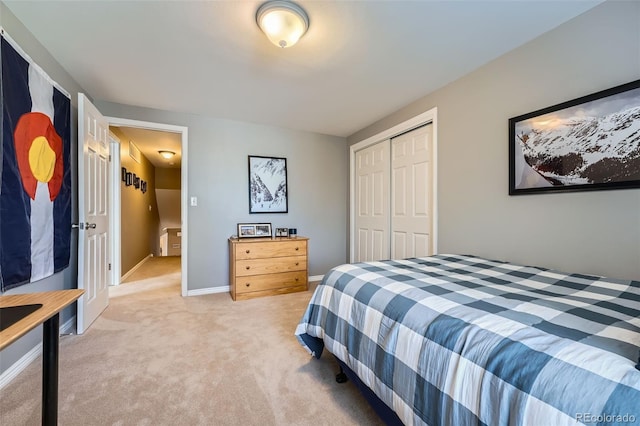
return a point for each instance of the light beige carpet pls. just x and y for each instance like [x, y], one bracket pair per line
[156, 358]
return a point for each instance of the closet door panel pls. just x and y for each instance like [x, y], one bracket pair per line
[372, 202]
[411, 199]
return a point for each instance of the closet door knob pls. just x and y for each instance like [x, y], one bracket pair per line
[248, 251]
[248, 267]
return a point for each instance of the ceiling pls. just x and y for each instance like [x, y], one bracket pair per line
[359, 61]
[149, 142]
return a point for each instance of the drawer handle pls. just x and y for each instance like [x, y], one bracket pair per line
[248, 251]
[248, 284]
[297, 263]
[297, 249]
[248, 267]
[297, 279]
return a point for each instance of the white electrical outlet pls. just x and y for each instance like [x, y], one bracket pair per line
[194, 201]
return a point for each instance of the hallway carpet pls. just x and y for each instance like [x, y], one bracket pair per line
[156, 358]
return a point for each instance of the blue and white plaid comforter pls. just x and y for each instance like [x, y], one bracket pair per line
[460, 340]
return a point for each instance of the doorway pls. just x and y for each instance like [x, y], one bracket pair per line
[136, 126]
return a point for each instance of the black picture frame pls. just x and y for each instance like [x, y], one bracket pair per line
[129, 179]
[282, 232]
[589, 143]
[124, 174]
[268, 188]
[254, 230]
[136, 181]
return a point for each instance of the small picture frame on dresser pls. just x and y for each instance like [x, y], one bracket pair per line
[282, 232]
[254, 230]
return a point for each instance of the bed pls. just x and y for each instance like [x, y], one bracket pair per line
[461, 340]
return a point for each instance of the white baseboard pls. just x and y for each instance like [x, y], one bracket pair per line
[210, 290]
[17, 368]
[12, 372]
[135, 268]
[226, 288]
[68, 327]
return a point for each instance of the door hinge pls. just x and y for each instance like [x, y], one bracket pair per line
[109, 157]
[109, 266]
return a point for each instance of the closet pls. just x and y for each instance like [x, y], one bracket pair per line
[393, 197]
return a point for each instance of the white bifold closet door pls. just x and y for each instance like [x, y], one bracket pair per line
[393, 200]
[411, 194]
[372, 203]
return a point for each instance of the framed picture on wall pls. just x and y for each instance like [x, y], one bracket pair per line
[268, 185]
[129, 179]
[589, 143]
[254, 230]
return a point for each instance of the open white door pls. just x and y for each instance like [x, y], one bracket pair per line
[93, 209]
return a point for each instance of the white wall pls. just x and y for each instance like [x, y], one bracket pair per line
[218, 176]
[589, 232]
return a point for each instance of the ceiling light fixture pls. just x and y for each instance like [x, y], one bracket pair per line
[166, 154]
[283, 22]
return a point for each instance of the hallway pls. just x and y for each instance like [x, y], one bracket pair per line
[155, 273]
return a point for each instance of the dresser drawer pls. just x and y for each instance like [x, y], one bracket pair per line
[271, 281]
[281, 248]
[270, 266]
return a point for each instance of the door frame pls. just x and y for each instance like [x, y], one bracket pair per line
[114, 209]
[427, 117]
[115, 186]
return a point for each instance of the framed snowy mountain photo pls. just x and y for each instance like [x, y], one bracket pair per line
[267, 185]
[589, 143]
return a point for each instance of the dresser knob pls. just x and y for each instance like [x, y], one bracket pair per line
[297, 249]
[248, 284]
[297, 279]
[248, 267]
[248, 251]
[297, 263]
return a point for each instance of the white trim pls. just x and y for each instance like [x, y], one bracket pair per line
[135, 268]
[210, 290]
[20, 365]
[430, 116]
[68, 327]
[226, 288]
[32, 63]
[184, 188]
[114, 210]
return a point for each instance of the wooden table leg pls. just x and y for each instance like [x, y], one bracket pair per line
[50, 342]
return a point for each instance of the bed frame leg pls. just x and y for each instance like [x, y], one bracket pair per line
[341, 377]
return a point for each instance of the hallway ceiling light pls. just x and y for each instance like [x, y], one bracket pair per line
[283, 22]
[166, 154]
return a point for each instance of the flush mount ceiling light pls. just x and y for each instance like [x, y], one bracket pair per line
[283, 22]
[166, 154]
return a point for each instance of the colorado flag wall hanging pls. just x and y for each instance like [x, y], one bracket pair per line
[35, 178]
